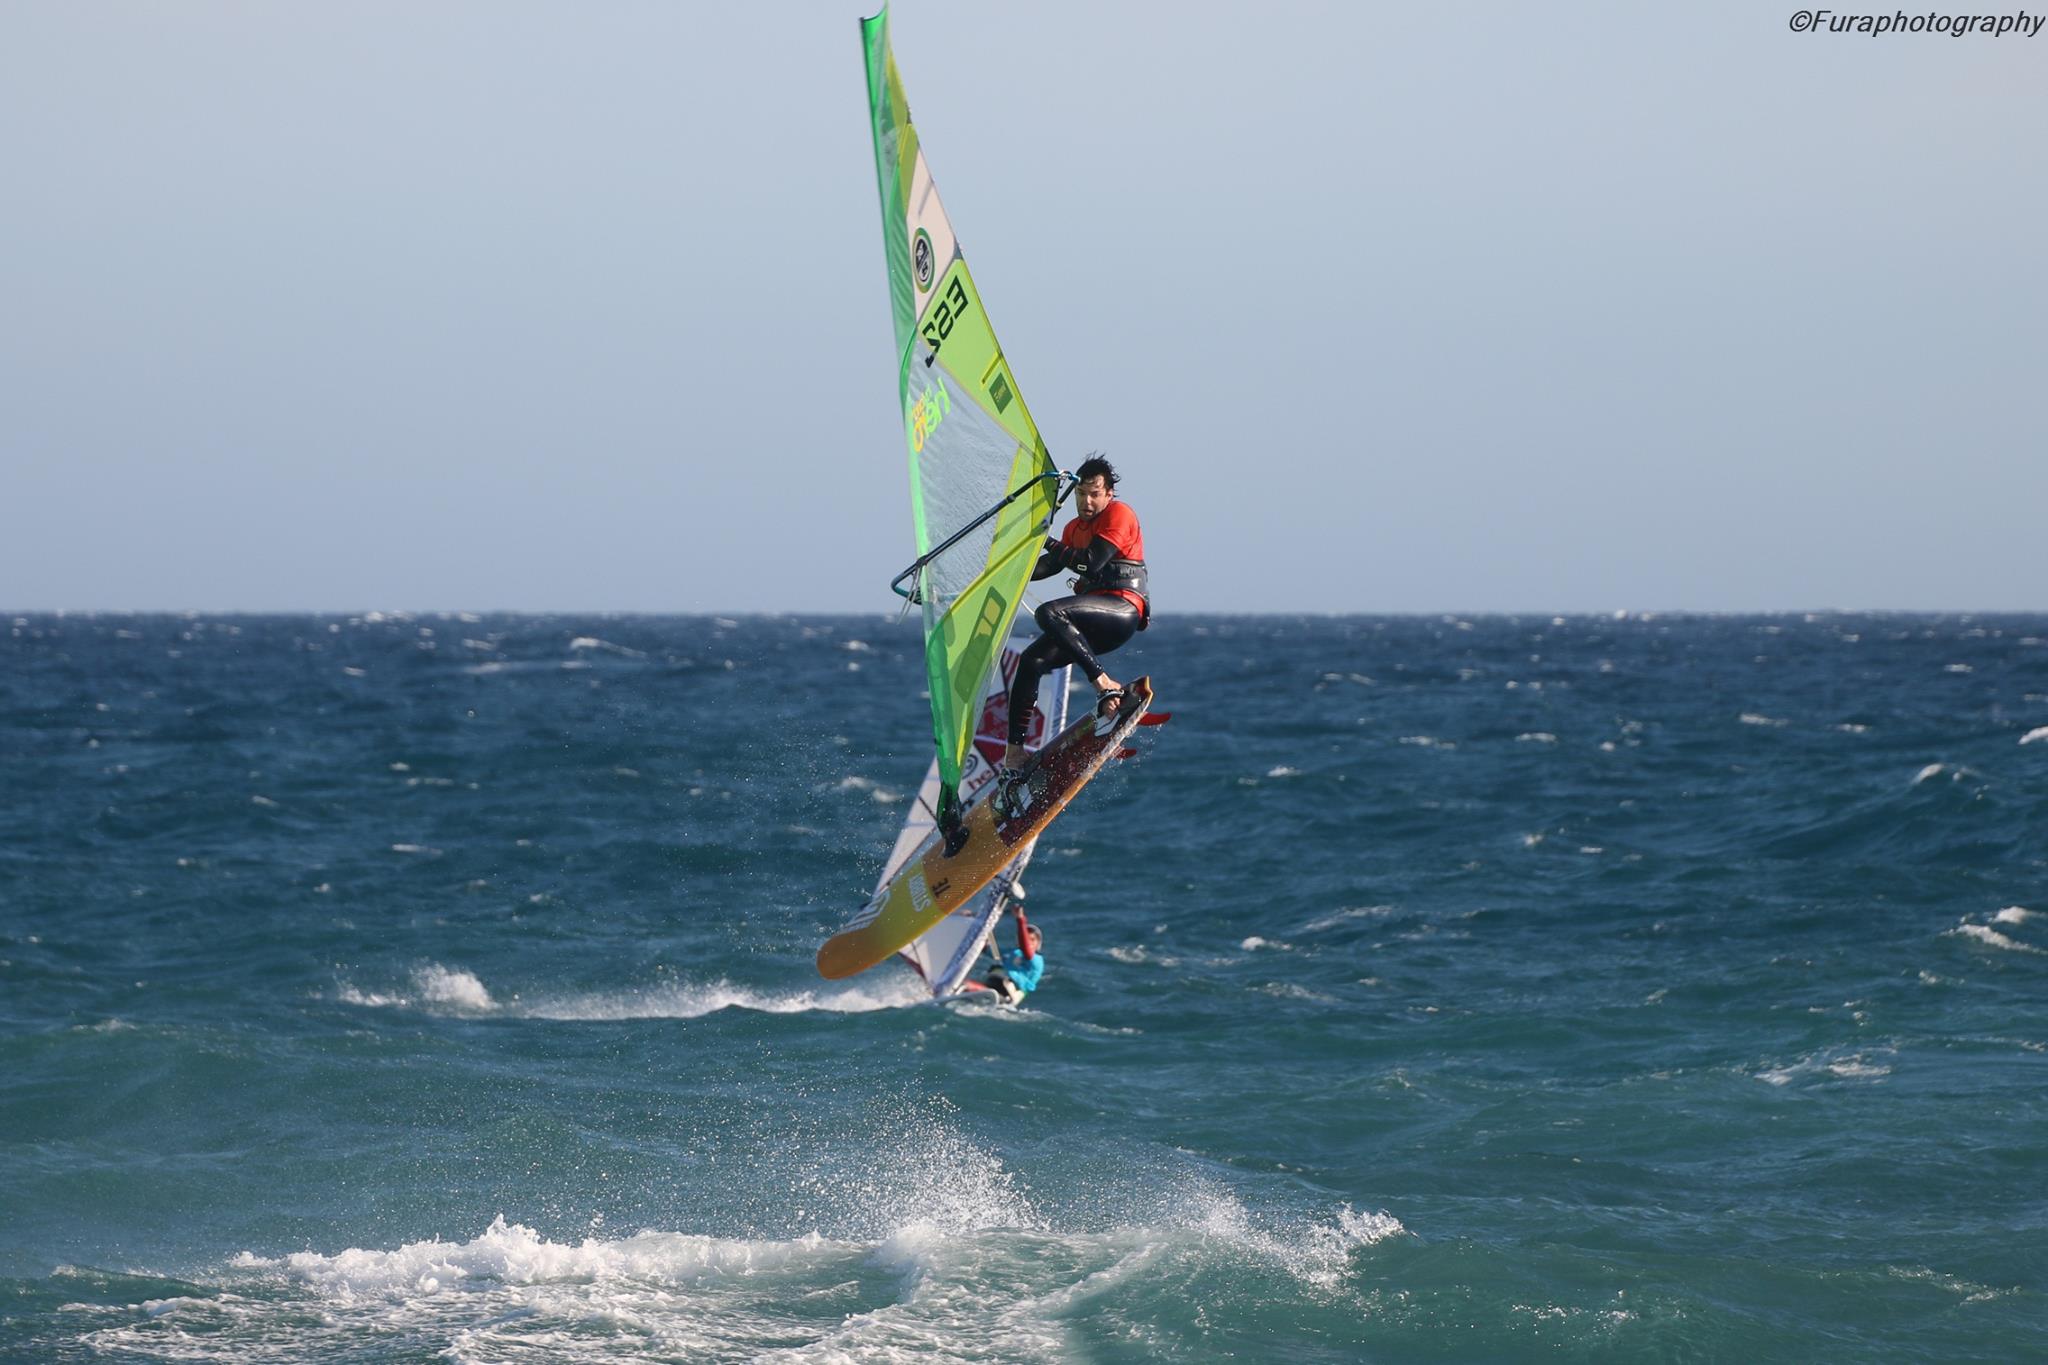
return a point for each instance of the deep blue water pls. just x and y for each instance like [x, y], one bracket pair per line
[434, 988]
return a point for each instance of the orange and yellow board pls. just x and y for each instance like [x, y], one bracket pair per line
[933, 885]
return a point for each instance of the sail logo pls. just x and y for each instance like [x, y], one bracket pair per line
[926, 413]
[923, 261]
[993, 733]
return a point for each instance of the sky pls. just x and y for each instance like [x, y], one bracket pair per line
[570, 307]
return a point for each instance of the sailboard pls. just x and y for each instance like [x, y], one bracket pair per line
[945, 954]
[934, 882]
[983, 491]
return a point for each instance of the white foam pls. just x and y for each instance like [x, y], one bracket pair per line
[1289, 990]
[453, 989]
[1966, 1291]
[440, 990]
[2012, 914]
[591, 642]
[973, 1280]
[1284, 771]
[1348, 913]
[1318, 1253]
[1855, 1066]
[1536, 737]
[1931, 770]
[1752, 718]
[513, 1254]
[892, 991]
[2040, 732]
[1989, 936]
[879, 794]
[434, 987]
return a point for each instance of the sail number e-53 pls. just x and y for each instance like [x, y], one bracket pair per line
[945, 313]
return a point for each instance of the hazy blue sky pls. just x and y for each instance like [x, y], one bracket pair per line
[1379, 307]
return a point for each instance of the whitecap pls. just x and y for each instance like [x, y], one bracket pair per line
[434, 986]
[437, 989]
[1536, 737]
[1318, 1254]
[1985, 934]
[1345, 915]
[1850, 1066]
[2040, 732]
[453, 988]
[1291, 990]
[693, 1001]
[590, 642]
[511, 1253]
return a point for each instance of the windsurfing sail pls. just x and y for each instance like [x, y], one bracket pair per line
[947, 952]
[982, 488]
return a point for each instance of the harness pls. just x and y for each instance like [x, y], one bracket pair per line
[1119, 575]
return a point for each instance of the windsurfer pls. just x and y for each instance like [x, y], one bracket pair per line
[1017, 975]
[1105, 550]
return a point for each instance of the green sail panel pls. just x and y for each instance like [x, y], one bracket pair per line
[971, 440]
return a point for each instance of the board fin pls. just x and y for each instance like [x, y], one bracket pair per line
[1155, 718]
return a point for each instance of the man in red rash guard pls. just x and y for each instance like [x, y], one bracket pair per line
[1105, 549]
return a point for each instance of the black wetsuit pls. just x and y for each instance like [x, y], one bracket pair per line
[1076, 628]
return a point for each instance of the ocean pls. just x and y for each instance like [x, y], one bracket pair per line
[440, 988]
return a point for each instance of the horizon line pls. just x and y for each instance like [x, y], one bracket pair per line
[462, 613]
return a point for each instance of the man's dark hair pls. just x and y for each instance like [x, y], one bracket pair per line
[1094, 465]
